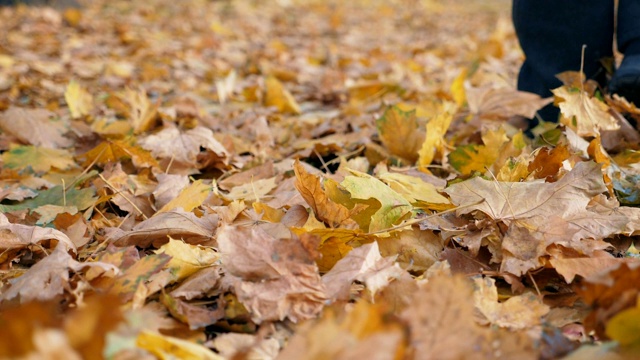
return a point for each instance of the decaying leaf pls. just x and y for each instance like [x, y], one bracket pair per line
[276, 278]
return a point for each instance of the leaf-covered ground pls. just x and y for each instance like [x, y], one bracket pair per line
[306, 180]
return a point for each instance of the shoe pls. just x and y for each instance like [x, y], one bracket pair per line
[626, 80]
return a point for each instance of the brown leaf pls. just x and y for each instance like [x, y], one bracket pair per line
[177, 224]
[441, 316]
[327, 211]
[181, 148]
[48, 278]
[587, 267]
[502, 103]
[277, 278]
[608, 293]
[35, 127]
[364, 264]
[547, 162]
[17, 236]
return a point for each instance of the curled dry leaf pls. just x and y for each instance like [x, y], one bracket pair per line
[327, 211]
[16, 236]
[364, 264]
[49, 277]
[177, 224]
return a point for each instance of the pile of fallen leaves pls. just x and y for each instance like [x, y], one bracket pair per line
[306, 180]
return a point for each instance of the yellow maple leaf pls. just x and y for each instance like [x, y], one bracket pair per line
[417, 191]
[142, 113]
[470, 158]
[457, 88]
[278, 96]
[401, 133]
[187, 259]
[585, 114]
[189, 198]
[437, 127]
[113, 151]
[78, 99]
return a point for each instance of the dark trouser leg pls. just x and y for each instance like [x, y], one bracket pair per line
[626, 80]
[551, 34]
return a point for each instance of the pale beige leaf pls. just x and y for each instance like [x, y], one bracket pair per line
[502, 103]
[590, 114]
[15, 236]
[177, 223]
[35, 127]
[275, 278]
[182, 147]
[518, 312]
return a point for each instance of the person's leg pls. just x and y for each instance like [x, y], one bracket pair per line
[626, 80]
[551, 34]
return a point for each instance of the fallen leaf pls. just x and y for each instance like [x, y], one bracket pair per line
[187, 259]
[189, 198]
[35, 127]
[275, 278]
[393, 207]
[167, 347]
[327, 211]
[38, 158]
[516, 313]
[48, 278]
[434, 142]
[502, 103]
[116, 150]
[177, 224]
[585, 114]
[78, 99]
[276, 95]
[401, 133]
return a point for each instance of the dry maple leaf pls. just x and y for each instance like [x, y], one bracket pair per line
[401, 133]
[442, 326]
[543, 213]
[49, 277]
[502, 103]
[364, 264]
[589, 114]
[35, 127]
[177, 224]
[181, 148]
[275, 278]
[327, 211]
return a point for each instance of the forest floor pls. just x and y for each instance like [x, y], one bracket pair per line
[306, 180]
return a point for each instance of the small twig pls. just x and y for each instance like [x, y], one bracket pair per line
[113, 188]
[535, 285]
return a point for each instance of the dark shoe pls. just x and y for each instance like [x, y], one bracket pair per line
[58, 4]
[626, 80]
